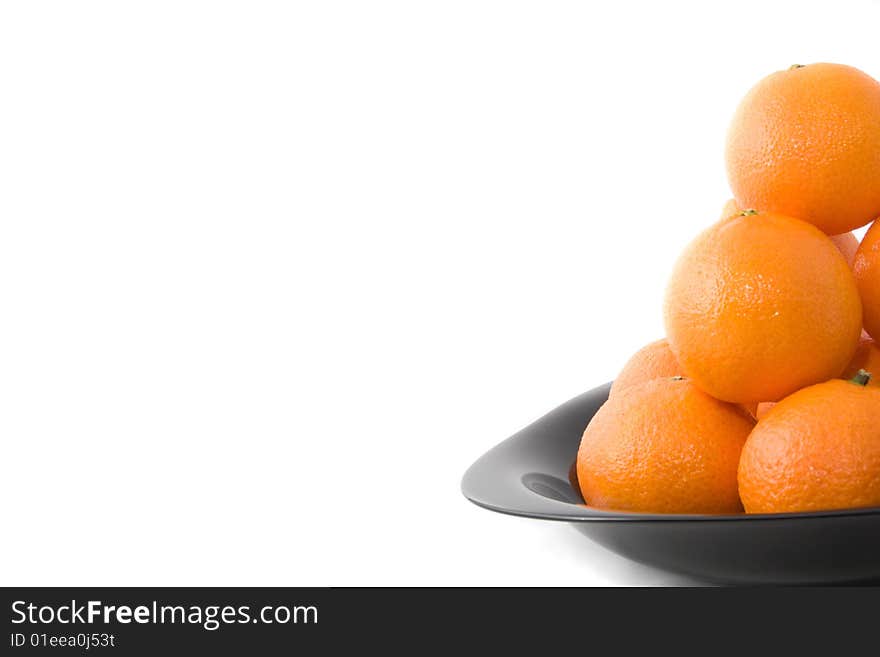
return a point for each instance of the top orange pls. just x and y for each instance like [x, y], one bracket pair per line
[805, 142]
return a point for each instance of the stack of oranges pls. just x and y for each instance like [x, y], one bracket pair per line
[760, 398]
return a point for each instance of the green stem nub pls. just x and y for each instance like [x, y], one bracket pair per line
[861, 378]
[794, 66]
[748, 213]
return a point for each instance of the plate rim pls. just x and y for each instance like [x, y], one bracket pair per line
[569, 512]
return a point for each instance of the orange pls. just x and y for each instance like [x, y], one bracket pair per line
[652, 361]
[760, 305]
[817, 449]
[663, 446]
[846, 243]
[866, 268]
[805, 142]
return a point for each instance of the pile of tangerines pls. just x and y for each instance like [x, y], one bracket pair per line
[760, 399]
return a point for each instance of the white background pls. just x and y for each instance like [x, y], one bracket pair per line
[273, 274]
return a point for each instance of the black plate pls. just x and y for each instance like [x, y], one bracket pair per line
[529, 475]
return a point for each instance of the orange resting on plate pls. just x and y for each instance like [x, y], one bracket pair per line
[816, 450]
[663, 446]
